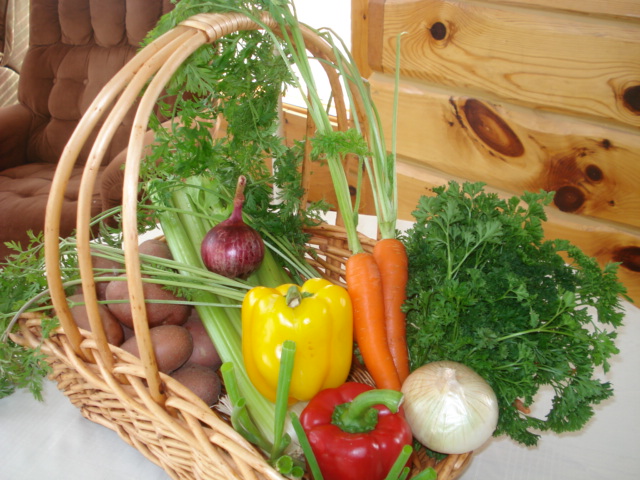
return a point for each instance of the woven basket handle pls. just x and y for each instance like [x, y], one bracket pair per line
[152, 67]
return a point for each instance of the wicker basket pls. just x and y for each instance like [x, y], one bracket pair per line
[151, 411]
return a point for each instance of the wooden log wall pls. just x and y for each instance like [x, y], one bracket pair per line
[522, 95]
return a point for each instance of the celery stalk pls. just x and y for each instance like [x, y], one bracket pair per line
[282, 396]
[240, 418]
[184, 225]
[398, 468]
[222, 323]
[306, 447]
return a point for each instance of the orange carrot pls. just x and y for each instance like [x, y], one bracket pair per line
[365, 289]
[391, 257]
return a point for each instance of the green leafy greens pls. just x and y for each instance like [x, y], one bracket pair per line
[22, 284]
[485, 289]
[239, 78]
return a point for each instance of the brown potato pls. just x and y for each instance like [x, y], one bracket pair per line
[112, 328]
[172, 345]
[110, 267]
[102, 267]
[202, 381]
[204, 351]
[157, 313]
[105, 267]
[155, 247]
[128, 332]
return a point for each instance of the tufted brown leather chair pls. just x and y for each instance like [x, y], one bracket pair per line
[75, 47]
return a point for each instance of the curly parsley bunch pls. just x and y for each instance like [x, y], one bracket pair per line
[487, 290]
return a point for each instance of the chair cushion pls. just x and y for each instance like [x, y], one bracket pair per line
[24, 191]
[76, 47]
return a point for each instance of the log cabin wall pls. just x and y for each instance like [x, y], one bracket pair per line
[520, 94]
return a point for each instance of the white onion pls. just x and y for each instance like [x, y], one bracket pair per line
[450, 408]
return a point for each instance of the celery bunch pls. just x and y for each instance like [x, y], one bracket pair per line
[185, 222]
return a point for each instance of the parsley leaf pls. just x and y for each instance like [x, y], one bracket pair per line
[487, 290]
[23, 282]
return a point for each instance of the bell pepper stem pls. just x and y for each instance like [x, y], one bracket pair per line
[293, 297]
[359, 415]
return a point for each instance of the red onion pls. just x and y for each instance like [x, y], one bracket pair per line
[232, 248]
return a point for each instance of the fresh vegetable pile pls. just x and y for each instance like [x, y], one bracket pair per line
[460, 321]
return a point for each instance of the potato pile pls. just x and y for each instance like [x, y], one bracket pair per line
[181, 344]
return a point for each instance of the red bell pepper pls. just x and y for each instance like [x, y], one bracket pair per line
[356, 432]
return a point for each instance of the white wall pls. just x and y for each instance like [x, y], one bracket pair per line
[331, 14]
[334, 14]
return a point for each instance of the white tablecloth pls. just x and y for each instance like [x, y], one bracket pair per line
[51, 440]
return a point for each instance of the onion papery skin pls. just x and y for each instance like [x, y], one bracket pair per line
[450, 408]
[232, 250]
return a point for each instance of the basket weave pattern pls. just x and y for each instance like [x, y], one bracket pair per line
[151, 411]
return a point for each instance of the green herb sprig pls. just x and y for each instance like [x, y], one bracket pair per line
[22, 280]
[240, 78]
[488, 291]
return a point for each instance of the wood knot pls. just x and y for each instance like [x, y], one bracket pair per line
[631, 99]
[438, 31]
[569, 198]
[492, 129]
[594, 173]
[629, 257]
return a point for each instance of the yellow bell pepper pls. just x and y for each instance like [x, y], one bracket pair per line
[317, 316]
